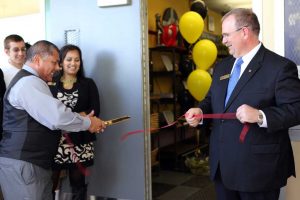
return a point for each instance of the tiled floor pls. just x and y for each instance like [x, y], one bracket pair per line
[172, 185]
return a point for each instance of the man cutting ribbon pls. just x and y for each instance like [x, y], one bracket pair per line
[263, 90]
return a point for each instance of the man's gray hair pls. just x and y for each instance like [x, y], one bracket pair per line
[43, 48]
[244, 17]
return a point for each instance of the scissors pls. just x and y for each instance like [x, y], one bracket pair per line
[116, 120]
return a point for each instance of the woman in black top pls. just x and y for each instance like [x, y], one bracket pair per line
[81, 95]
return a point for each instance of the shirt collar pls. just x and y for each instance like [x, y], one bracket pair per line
[248, 57]
[31, 70]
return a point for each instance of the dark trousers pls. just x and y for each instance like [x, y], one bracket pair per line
[77, 183]
[225, 194]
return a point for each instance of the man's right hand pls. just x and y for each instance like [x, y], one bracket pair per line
[97, 125]
[192, 116]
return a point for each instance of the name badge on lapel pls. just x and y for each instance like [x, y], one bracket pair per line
[226, 76]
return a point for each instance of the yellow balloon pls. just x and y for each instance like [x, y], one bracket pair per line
[191, 26]
[198, 83]
[204, 54]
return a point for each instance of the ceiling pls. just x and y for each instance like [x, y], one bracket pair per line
[10, 8]
[223, 6]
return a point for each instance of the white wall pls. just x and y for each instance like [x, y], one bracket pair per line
[270, 14]
[30, 27]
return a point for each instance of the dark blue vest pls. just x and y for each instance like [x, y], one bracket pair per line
[24, 138]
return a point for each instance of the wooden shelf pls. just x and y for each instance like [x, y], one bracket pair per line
[179, 149]
[170, 49]
[165, 78]
[151, 32]
[154, 157]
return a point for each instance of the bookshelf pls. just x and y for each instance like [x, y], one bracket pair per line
[166, 84]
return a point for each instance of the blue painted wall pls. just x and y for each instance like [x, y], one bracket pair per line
[110, 39]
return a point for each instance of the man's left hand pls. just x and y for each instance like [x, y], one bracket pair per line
[247, 114]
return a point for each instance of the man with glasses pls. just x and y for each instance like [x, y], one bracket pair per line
[263, 90]
[15, 49]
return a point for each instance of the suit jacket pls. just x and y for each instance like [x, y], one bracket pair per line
[265, 160]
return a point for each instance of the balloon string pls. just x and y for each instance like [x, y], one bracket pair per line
[200, 116]
[80, 167]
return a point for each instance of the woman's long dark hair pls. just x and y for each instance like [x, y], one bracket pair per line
[62, 54]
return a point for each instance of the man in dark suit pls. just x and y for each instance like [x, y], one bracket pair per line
[267, 98]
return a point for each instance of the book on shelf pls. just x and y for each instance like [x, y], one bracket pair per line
[167, 62]
[185, 85]
[169, 116]
[166, 95]
[161, 96]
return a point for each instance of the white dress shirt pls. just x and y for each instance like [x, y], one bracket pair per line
[9, 71]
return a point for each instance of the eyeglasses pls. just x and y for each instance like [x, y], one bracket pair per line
[226, 35]
[16, 50]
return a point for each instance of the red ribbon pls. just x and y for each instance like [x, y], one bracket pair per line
[204, 116]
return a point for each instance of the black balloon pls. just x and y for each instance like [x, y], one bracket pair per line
[199, 7]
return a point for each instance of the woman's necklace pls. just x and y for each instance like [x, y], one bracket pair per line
[68, 81]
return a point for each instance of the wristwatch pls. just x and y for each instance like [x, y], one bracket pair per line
[260, 118]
